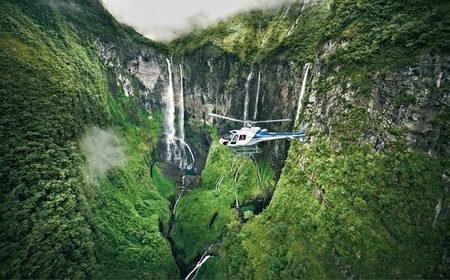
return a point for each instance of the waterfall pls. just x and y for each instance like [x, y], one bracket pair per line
[247, 89]
[236, 176]
[202, 260]
[287, 10]
[305, 2]
[175, 139]
[438, 209]
[172, 149]
[257, 94]
[181, 118]
[302, 91]
[258, 173]
[179, 195]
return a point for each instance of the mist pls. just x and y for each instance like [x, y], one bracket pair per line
[164, 20]
[103, 151]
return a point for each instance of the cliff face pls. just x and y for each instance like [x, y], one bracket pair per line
[365, 196]
[77, 199]
[409, 103]
[346, 201]
[414, 99]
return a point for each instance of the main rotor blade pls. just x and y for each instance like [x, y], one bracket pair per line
[269, 121]
[227, 118]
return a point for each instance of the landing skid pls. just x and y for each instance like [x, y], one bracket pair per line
[246, 150]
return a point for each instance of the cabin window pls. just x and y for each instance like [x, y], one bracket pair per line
[235, 138]
[242, 137]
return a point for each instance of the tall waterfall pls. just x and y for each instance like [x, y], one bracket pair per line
[172, 151]
[255, 114]
[247, 89]
[177, 148]
[181, 117]
[302, 91]
[305, 2]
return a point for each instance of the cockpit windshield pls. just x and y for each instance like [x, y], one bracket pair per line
[227, 136]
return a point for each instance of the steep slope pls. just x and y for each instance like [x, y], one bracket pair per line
[83, 105]
[367, 196]
[77, 200]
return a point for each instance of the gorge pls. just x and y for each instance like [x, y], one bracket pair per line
[366, 196]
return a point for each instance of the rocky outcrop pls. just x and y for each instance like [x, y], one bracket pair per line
[415, 100]
[409, 104]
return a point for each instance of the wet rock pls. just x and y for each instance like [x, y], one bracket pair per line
[191, 182]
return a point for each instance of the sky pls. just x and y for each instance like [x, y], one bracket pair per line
[162, 20]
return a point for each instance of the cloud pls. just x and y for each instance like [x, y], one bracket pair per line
[103, 151]
[164, 20]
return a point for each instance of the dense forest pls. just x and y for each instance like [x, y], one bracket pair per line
[77, 200]
[85, 192]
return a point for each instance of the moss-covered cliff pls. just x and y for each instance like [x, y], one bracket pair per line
[367, 195]
[82, 161]
[77, 200]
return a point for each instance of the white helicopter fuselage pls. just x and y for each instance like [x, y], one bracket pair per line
[248, 136]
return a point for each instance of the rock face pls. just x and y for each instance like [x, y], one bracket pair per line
[219, 84]
[416, 100]
[409, 104]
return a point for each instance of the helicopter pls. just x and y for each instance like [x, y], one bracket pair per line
[250, 135]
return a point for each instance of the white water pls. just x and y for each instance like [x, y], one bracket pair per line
[219, 182]
[287, 10]
[179, 195]
[170, 116]
[247, 89]
[236, 176]
[438, 211]
[181, 117]
[302, 91]
[259, 174]
[185, 145]
[305, 2]
[257, 94]
[175, 142]
[202, 260]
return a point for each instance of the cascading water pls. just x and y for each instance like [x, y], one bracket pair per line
[177, 148]
[287, 10]
[236, 176]
[181, 117]
[202, 260]
[247, 90]
[302, 92]
[179, 195]
[255, 114]
[305, 2]
[170, 118]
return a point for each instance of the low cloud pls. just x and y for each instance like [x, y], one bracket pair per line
[164, 20]
[103, 151]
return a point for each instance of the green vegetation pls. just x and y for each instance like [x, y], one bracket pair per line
[340, 209]
[383, 35]
[357, 210]
[57, 219]
[202, 215]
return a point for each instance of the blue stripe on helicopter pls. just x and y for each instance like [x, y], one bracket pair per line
[260, 134]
